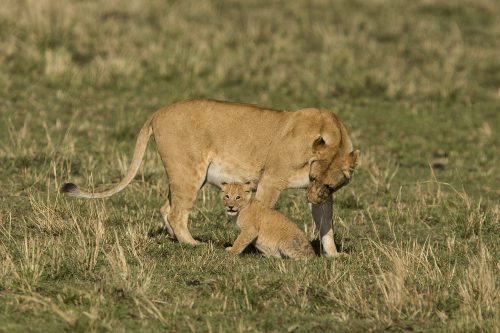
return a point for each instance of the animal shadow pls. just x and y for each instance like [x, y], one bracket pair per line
[341, 245]
[161, 230]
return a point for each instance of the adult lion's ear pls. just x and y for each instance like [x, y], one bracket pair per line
[355, 158]
[318, 144]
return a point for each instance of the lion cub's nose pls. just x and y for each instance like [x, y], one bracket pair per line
[230, 207]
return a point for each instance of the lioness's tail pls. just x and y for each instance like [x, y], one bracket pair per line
[140, 147]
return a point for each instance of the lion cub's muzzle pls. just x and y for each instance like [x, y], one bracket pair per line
[338, 186]
[317, 194]
[231, 211]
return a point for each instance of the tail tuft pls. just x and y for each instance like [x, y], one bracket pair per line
[69, 188]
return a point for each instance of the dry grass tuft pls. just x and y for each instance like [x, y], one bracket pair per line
[479, 290]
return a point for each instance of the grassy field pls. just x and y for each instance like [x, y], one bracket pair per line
[416, 82]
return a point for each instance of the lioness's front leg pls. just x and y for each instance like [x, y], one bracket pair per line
[268, 191]
[322, 214]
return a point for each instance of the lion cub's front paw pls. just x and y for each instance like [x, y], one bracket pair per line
[232, 250]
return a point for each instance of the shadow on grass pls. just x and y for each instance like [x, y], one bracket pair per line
[341, 245]
[159, 231]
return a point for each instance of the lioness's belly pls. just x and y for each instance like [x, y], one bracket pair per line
[230, 171]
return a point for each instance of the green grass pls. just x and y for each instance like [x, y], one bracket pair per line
[417, 84]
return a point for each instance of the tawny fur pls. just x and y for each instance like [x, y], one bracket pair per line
[270, 231]
[201, 141]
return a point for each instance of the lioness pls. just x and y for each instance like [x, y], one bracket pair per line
[271, 232]
[202, 141]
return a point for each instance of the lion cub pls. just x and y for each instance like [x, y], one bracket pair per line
[270, 231]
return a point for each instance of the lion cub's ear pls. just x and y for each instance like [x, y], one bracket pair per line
[250, 186]
[355, 158]
[223, 186]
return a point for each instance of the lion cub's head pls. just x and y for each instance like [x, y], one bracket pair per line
[236, 196]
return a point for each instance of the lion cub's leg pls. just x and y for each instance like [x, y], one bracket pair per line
[297, 247]
[247, 236]
[269, 251]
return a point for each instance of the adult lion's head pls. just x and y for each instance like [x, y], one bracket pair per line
[333, 164]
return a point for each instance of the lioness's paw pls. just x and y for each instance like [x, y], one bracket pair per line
[229, 248]
[336, 255]
[189, 241]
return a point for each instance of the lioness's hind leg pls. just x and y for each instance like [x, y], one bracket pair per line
[183, 198]
[187, 174]
[179, 220]
[164, 210]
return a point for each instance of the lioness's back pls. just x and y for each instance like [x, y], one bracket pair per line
[223, 115]
[217, 127]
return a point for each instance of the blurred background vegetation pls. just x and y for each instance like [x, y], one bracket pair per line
[391, 50]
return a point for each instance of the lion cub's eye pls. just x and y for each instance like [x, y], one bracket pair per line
[226, 196]
[238, 197]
